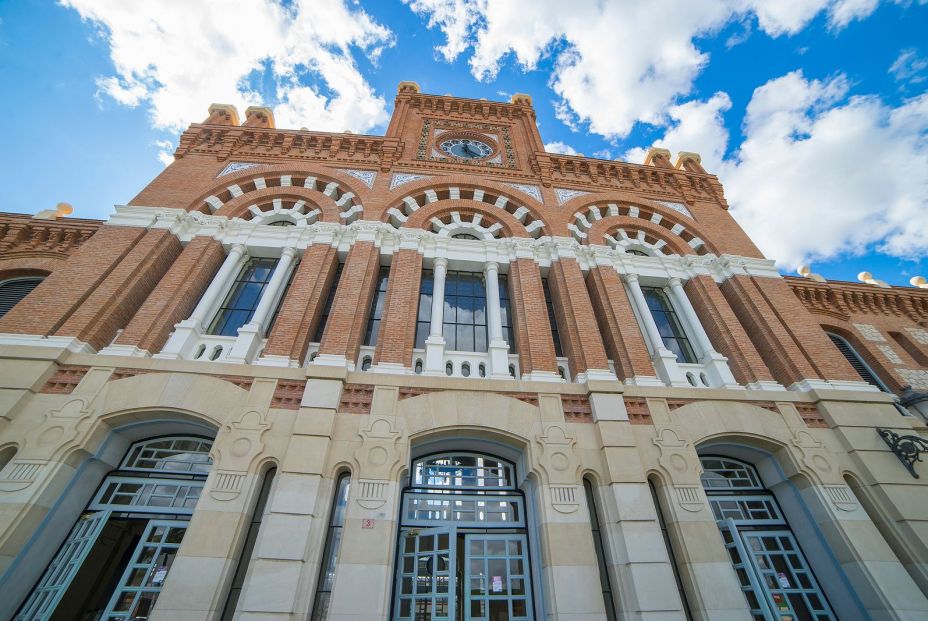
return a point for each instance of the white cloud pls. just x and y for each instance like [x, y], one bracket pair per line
[818, 174]
[179, 57]
[615, 63]
[910, 67]
[560, 148]
[696, 126]
[165, 151]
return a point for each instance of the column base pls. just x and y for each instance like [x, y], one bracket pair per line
[394, 368]
[717, 368]
[70, 343]
[645, 380]
[245, 345]
[278, 361]
[596, 375]
[499, 360]
[665, 363]
[330, 360]
[543, 376]
[185, 334]
[765, 385]
[124, 350]
[434, 356]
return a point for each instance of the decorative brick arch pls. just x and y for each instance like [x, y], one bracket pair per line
[345, 191]
[590, 222]
[498, 204]
[299, 204]
[626, 232]
[450, 217]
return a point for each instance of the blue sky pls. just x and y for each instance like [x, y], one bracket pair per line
[814, 114]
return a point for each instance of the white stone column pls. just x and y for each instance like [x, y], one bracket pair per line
[716, 364]
[189, 330]
[435, 343]
[498, 348]
[250, 335]
[665, 361]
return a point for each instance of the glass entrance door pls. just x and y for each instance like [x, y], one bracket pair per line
[496, 583]
[142, 580]
[426, 576]
[61, 570]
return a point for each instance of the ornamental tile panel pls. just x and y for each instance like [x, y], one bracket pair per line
[564, 194]
[366, 176]
[869, 332]
[232, 167]
[532, 190]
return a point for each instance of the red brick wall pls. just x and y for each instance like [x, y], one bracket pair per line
[726, 333]
[175, 296]
[576, 323]
[617, 324]
[348, 318]
[398, 323]
[68, 288]
[534, 341]
[301, 308]
[115, 300]
[792, 345]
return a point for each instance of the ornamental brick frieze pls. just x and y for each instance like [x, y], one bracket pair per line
[257, 143]
[844, 299]
[22, 235]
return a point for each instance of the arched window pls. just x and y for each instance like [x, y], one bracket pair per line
[463, 541]
[775, 577]
[14, 290]
[114, 561]
[600, 547]
[333, 541]
[244, 559]
[850, 354]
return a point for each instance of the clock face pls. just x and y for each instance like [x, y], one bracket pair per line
[466, 148]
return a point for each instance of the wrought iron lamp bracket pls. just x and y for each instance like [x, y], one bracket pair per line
[908, 449]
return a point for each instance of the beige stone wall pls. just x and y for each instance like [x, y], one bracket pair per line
[837, 482]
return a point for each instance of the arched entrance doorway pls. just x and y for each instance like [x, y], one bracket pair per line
[463, 550]
[114, 561]
[774, 574]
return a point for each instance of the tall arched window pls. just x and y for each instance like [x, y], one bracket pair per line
[15, 289]
[114, 561]
[775, 577]
[600, 547]
[463, 543]
[333, 541]
[850, 354]
[244, 559]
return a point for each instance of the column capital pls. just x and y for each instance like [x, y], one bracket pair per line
[238, 249]
[440, 262]
[630, 278]
[491, 266]
[675, 282]
[289, 251]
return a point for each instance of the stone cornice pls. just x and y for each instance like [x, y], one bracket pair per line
[268, 240]
[844, 299]
[22, 234]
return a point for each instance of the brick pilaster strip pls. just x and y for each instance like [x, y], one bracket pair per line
[576, 323]
[352, 304]
[781, 329]
[174, 298]
[66, 289]
[113, 303]
[621, 334]
[303, 302]
[726, 333]
[398, 323]
[534, 341]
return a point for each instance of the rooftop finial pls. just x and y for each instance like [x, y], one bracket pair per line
[868, 278]
[61, 209]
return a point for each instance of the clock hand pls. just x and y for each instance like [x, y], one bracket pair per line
[467, 149]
